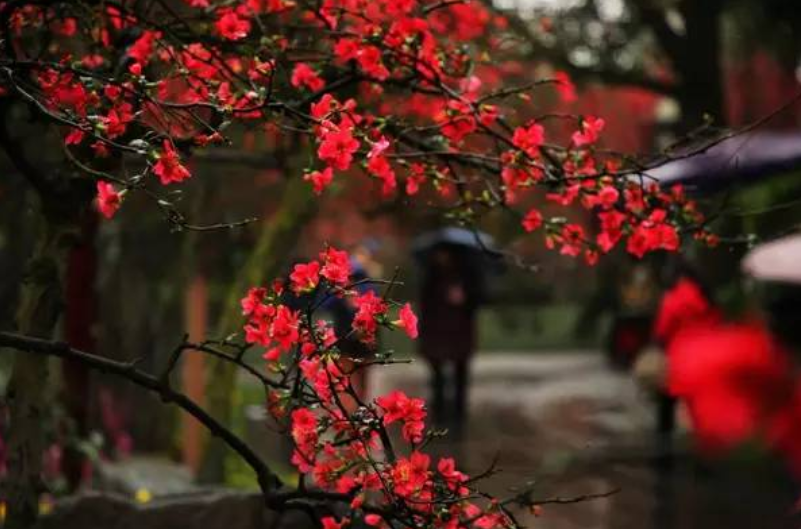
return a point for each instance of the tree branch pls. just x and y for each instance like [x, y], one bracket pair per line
[268, 481]
[551, 55]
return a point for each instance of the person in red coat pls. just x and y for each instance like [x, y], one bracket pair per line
[448, 305]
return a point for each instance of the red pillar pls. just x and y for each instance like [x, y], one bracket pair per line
[192, 369]
[80, 316]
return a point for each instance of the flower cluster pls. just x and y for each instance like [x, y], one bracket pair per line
[410, 411]
[343, 444]
[277, 327]
[738, 385]
[390, 89]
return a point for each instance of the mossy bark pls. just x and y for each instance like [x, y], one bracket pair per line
[40, 304]
[266, 260]
[63, 198]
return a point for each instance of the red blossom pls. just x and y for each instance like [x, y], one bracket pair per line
[168, 167]
[65, 28]
[398, 406]
[565, 87]
[285, 328]
[92, 61]
[117, 120]
[408, 321]
[142, 49]
[271, 325]
[492, 521]
[75, 137]
[304, 277]
[735, 379]
[329, 522]
[267, 6]
[337, 148]
[253, 300]
[611, 229]
[304, 433]
[346, 49]
[453, 478]
[532, 220]
[410, 475]
[320, 179]
[230, 25]
[100, 149]
[112, 92]
[369, 307]
[415, 178]
[607, 196]
[649, 236]
[572, 240]
[67, 91]
[682, 307]
[529, 139]
[373, 520]
[488, 115]
[591, 128]
[336, 267]
[566, 197]
[369, 59]
[108, 199]
[322, 108]
[304, 76]
[457, 121]
[378, 147]
[379, 167]
[516, 178]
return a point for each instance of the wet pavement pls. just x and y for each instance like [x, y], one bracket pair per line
[573, 427]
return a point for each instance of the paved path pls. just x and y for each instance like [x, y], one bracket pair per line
[579, 428]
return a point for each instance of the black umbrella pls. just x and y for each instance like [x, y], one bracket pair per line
[468, 240]
[742, 158]
[474, 249]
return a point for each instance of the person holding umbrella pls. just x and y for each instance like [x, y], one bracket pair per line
[452, 289]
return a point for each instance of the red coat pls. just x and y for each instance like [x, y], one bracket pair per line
[447, 319]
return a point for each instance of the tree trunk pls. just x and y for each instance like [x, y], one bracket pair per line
[699, 65]
[268, 257]
[62, 200]
[41, 299]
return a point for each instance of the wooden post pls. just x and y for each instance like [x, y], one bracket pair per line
[192, 369]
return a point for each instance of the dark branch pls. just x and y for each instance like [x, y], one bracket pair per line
[559, 500]
[539, 51]
[267, 480]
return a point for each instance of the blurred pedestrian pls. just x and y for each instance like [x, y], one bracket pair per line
[632, 319]
[450, 296]
[364, 267]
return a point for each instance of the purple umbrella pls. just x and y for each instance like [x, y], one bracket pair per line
[742, 158]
